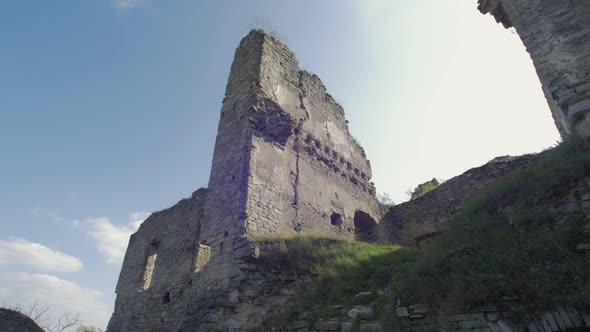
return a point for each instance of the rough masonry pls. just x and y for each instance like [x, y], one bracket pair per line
[418, 221]
[556, 33]
[284, 163]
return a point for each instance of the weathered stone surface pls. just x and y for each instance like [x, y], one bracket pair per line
[363, 296]
[297, 325]
[472, 324]
[14, 321]
[556, 34]
[284, 164]
[330, 325]
[371, 327]
[402, 312]
[504, 326]
[361, 312]
[419, 221]
[583, 247]
[346, 327]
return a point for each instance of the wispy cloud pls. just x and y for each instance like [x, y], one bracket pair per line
[19, 251]
[60, 295]
[55, 217]
[73, 195]
[130, 4]
[36, 210]
[112, 239]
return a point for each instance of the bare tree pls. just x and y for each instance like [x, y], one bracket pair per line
[385, 199]
[40, 314]
[64, 322]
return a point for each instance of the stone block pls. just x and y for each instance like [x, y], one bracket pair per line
[583, 247]
[371, 327]
[402, 312]
[327, 325]
[360, 312]
[363, 296]
[461, 317]
[298, 325]
[346, 327]
[471, 324]
[492, 316]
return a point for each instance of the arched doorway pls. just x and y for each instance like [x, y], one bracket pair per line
[364, 227]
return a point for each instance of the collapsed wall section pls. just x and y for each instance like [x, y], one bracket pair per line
[417, 222]
[155, 281]
[556, 33]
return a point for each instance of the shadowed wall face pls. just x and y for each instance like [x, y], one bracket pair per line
[556, 33]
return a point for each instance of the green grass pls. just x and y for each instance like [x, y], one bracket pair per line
[341, 269]
[503, 243]
[506, 243]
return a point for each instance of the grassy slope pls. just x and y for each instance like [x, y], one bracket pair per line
[504, 243]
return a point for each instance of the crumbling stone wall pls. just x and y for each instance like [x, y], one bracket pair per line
[564, 203]
[305, 166]
[284, 163]
[161, 259]
[415, 222]
[556, 33]
[420, 318]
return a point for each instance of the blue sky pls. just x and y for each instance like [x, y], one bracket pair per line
[109, 110]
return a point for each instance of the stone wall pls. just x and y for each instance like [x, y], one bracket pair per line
[156, 278]
[564, 203]
[420, 318]
[305, 166]
[284, 163]
[556, 33]
[415, 222]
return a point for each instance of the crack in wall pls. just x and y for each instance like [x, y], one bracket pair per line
[297, 148]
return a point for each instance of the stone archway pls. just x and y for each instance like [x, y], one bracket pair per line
[364, 227]
[556, 33]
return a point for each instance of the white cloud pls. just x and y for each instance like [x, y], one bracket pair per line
[448, 89]
[19, 251]
[112, 239]
[136, 218]
[55, 217]
[59, 295]
[129, 4]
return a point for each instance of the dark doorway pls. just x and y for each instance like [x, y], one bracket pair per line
[364, 227]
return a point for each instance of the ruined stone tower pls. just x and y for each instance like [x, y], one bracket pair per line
[284, 163]
[556, 33]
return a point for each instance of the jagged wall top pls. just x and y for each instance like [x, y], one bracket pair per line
[297, 92]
